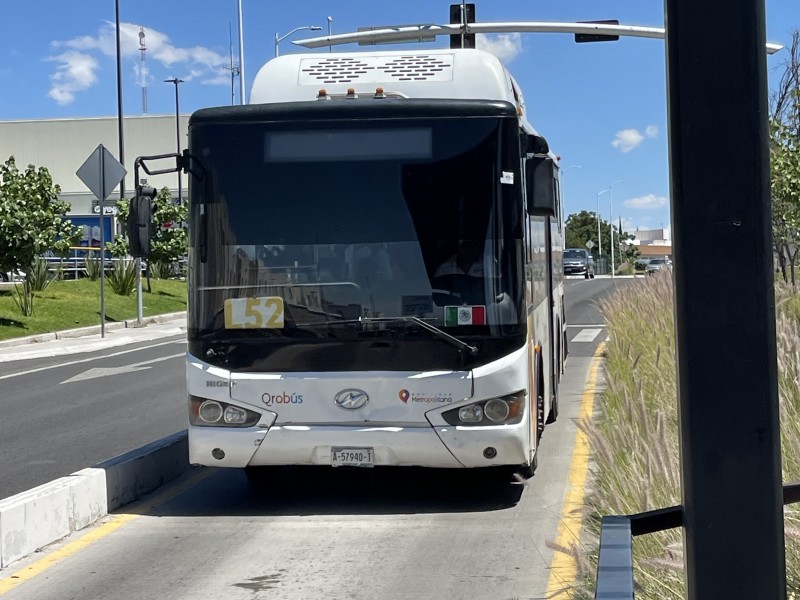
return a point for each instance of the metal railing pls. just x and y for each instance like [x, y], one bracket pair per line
[615, 560]
[73, 265]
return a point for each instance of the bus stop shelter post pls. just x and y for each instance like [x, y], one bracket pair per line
[724, 317]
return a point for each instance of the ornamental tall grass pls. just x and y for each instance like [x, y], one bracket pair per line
[634, 435]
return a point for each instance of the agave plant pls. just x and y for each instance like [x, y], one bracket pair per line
[92, 267]
[39, 277]
[122, 278]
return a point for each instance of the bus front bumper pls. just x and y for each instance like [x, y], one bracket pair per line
[435, 447]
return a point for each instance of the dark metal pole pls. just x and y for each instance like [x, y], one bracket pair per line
[119, 104]
[120, 135]
[724, 317]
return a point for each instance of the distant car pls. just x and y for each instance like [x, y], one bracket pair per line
[658, 264]
[7, 276]
[578, 261]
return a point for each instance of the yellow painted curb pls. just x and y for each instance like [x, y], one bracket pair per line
[563, 568]
[98, 532]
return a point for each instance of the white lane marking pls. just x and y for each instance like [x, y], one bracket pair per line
[586, 335]
[83, 360]
[105, 371]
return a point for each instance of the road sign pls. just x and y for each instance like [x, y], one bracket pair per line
[101, 172]
[590, 244]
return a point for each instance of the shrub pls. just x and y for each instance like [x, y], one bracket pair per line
[160, 270]
[92, 267]
[625, 269]
[23, 298]
[122, 278]
[39, 277]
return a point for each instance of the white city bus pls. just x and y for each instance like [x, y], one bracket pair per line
[375, 267]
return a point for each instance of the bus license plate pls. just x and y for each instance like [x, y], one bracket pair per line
[351, 457]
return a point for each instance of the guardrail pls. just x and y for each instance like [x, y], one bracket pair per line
[615, 560]
[74, 264]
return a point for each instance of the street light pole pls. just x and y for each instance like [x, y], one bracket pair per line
[599, 238]
[330, 46]
[283, 37]
[241, 57]
[611, 220]
[120, 134]
[177, 81]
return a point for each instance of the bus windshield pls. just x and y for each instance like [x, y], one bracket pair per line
[332, 222]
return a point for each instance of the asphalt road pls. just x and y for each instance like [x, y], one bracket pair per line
[65, 412]
[298, 532]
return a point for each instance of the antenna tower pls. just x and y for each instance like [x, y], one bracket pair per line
[234, 69]
[143, 68]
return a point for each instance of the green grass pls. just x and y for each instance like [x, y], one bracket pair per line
[71, 304]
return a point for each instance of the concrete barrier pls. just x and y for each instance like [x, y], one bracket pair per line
[47, 513]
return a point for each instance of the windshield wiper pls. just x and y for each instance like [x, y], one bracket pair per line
[218, 338]
[443, 335]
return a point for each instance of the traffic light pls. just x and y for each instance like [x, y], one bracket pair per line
[455, 19]
[596, 37]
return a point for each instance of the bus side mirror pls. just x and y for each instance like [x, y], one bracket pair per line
[536, 144]
[140, 222]
[540, 186]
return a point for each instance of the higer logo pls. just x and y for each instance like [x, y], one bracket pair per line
[281, 398]
[351, 399]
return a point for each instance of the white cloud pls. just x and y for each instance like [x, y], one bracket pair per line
[648, 202]
[506, 47]
[627, 139]
[75, 73]
[77, 69]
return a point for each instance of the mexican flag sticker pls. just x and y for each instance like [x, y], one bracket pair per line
[464, 315]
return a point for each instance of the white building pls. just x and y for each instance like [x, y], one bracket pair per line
[653, 242]
[63, 145]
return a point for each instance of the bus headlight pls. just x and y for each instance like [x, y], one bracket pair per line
[472, 413]
[204, 412]
[497, 410]
[210, 411]
[506, 410]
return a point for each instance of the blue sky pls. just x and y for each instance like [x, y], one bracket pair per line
[601, 106]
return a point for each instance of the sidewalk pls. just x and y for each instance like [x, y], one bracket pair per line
[88, 339]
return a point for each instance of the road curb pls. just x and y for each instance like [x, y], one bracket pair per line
[91, 330]
[45, 514]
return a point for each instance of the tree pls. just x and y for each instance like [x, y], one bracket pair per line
[31, 222]
[785, 162]
[582, 227]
